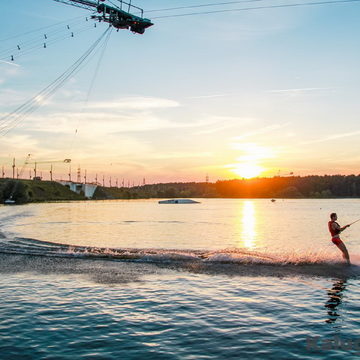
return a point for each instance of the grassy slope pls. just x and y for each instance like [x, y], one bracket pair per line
[38, 191]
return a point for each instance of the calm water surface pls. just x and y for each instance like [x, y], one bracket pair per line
[220, 279]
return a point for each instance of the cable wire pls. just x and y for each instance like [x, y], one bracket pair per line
[45, 44]
[259, 8]
[203, 5]
[41, 28]
[21, 48]
[91, 86]
[11, 120]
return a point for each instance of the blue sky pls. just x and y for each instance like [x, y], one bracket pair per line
[277, 88]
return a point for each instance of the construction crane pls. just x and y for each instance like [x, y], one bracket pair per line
[36, 163]
[121, 17]
[10, 200]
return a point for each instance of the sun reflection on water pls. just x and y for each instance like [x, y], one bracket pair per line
[248, 225]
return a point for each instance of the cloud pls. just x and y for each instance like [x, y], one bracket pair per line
[215, 124]
[260, 131]
[252, 152]
[16, 143]
[72, 94]
[298, 91]
[181, 155]
[102, 123]
[10, 63]
[211, 96]
[332, 137]
[135, 103]
[127, 104]
[12, 98]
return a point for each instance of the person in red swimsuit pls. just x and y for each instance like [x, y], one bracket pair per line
[335, 230]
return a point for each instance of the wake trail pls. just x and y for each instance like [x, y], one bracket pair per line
[216, 262]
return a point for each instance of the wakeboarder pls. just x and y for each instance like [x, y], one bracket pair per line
[335, 230]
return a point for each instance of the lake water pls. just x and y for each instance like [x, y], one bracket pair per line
[217, 280]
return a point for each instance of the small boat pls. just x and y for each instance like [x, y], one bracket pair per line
[9, 202]
[273, 200]
[179, 201]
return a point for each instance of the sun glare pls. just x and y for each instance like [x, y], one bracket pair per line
[249, 164]
[248, 171]
[248, 224]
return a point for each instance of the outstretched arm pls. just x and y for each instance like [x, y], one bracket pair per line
[339, 229]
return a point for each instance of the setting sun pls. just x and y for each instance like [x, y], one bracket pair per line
[250, 163]
[248, 171]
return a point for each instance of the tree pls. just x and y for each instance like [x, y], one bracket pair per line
[16, 190]
[289, 192]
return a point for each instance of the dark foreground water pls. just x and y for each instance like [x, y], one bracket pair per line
[87, 301]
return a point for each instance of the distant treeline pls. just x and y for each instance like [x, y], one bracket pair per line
[276, 187]
[24, 191]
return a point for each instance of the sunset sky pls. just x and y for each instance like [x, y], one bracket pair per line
[231, 95]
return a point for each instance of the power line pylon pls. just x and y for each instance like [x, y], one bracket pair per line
[13, 168]
[78, 173]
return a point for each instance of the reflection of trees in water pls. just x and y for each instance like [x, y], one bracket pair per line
[335, 299]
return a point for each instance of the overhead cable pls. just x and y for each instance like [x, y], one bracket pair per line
[41, 28]
[315, 3]
[8, 122]
[203, 5]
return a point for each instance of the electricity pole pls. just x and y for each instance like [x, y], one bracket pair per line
[13, 168]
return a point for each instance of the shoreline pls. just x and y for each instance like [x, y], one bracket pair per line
[39, 191]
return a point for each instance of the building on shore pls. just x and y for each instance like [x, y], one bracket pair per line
[87, 190]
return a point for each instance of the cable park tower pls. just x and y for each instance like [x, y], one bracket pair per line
[120, 17]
